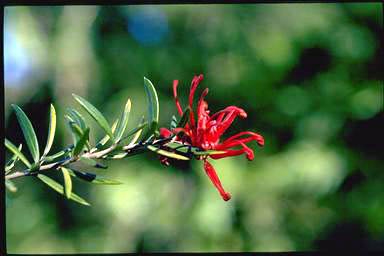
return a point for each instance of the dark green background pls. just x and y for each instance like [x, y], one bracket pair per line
[308, 76]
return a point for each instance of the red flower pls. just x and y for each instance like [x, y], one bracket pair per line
[206, 131]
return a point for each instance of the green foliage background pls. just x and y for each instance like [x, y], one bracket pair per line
[308, 76]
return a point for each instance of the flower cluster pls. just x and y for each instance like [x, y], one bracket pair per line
[206, 131]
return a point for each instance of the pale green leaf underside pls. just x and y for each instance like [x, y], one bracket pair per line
[51, 131]
[167, 153]
[67, 182]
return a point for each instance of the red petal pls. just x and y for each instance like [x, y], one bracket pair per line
[179, 109]
[215, 180]
[248, 151]
[223, 126]
[229, 109]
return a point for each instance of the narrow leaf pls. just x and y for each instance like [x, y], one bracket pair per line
[167, 153]
[93, 178]
[138, 131]
[95, 113]
[207, 152]
[117, 156]
[153, 108]
[17, 152]
[67, 182]
[51, 130]
[59, 188]
[78, 133]
[58, 154]
[80, 145]
[77, 118]
[123, 121]
[76, 129]
[106, 138]
[178, 146]
[29, 133]
[195, 150]
[11, 163]
[72, 129]
[92, 162]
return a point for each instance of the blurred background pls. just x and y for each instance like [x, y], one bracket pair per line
[308, 76]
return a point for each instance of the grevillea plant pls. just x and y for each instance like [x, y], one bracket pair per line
[187, 138]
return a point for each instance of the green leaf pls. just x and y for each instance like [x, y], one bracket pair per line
[76, 130]
[116, 156]
[93, 178]
[92, 162]
[123, 121]
[153, 108]
[10, 185]
[195, 150]
[95, 113]
[137, 132]
[53, 157]
[167, 153]
[106, 138]
[77, 125]
[77, 118]
[59, 188]
[58, 154]
[29, 133]
[178, 146]
[206, 152]
[11, 163]
[67, 182]
[17, 152]
[80, 145]
[51, 131]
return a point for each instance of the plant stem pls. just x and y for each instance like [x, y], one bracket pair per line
[56, 165]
